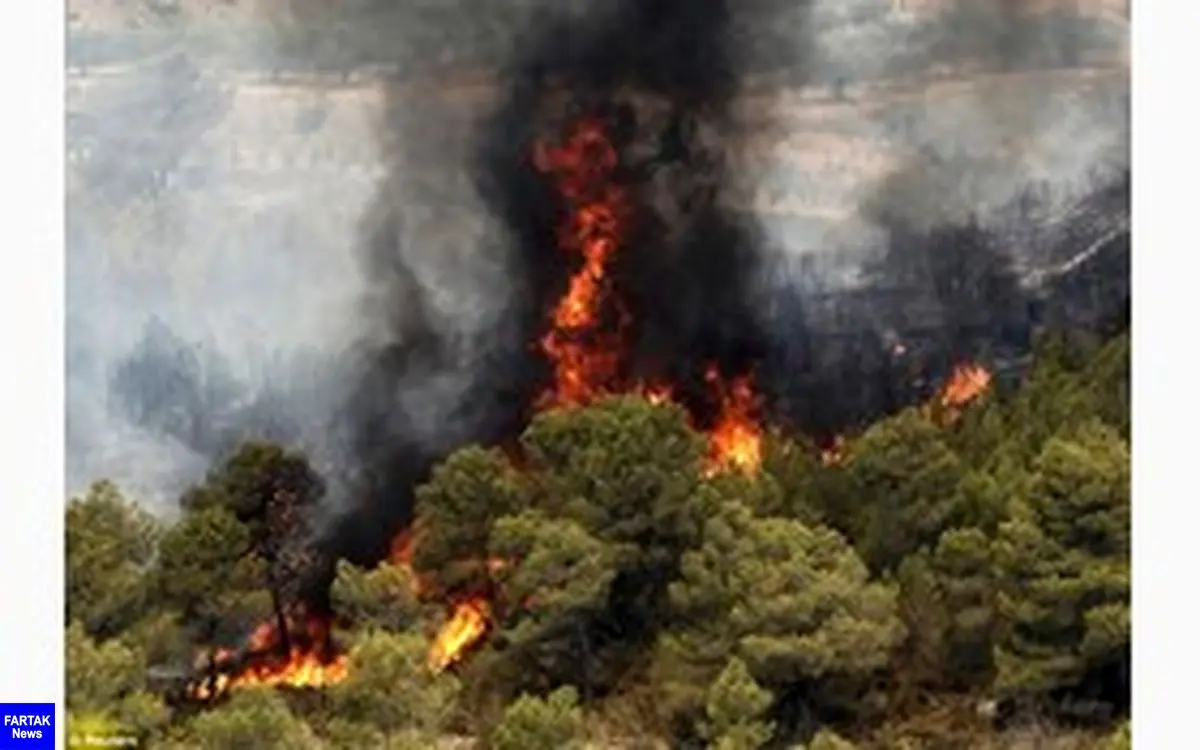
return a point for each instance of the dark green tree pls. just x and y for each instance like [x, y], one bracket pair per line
[272, 492]
[905, 476]
[455, 511]
[794, 602]
[555, 589]
[803, 489]
[948, 602]
[588, 535]
[110, 543]
[382, 598]
[1056, 395]
[206, 570]
[624, 469]
[392, 690]
[1065, 569]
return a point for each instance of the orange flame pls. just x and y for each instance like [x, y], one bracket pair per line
[470, 617]
[584, 346]
[468, 624]
[966, 383]
[584, 356]
[735, 441]
[310, 662]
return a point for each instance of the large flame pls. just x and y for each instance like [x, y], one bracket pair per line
[303, 658]
[735, 441]
[583, 344]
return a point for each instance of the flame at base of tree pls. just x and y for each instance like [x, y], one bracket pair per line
[303, 657]
[735, 440]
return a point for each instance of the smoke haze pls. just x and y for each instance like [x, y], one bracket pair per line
[382, 316]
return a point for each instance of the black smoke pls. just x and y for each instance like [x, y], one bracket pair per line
[662, 76]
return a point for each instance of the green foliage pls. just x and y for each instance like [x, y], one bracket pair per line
[110, 543]
[827, 739]
[1109, 371]
[591, 529]
[380, 599]
[531, 723]
[390, 688]
[256, 475]
[934, 566]
[560, 582]
[1064, 562]
[905, 476]
[624, 469]
[457, 506]
[162, 637]
[107, 682]
[734, 710]
[801, 483]
[1065, 389]
[254, 719]
[948, 600]
[794, 602]
[204, 561]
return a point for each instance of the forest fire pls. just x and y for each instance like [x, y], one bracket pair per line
[587, 326]
[736, 437]
[303, 656]
[468, 624]
[469, 616]
[586, 348]
[586, 339]
[583, 355]
[967, 382]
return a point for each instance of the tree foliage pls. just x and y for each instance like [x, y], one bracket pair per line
[904, 475]
[110, 543]
[531, 723]
[1064, 564]
[875, 597]
[106, 684]
[391, 689]
[735, 709]
[796, 603]
[382, 598]
[255, 719]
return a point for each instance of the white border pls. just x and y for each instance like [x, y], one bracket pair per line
[1166, 207]
[31, 343]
